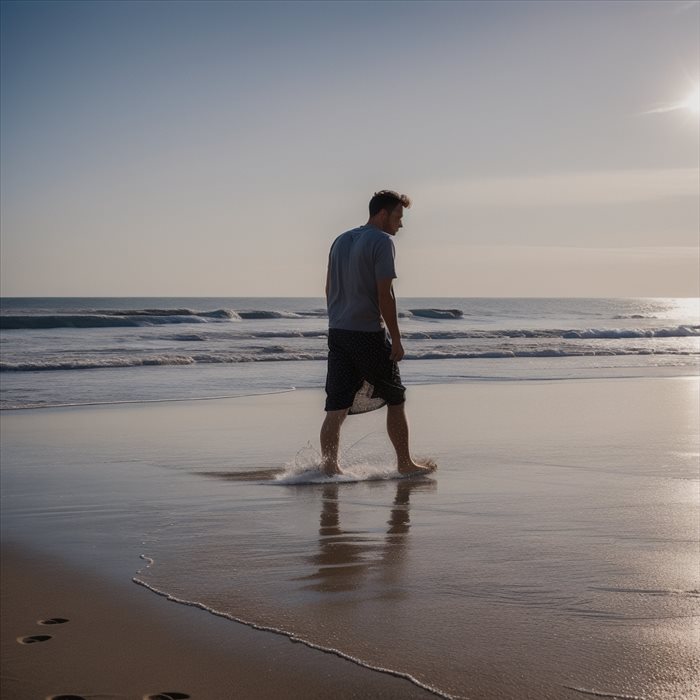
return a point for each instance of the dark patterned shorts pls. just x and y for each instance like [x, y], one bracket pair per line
[361, 375]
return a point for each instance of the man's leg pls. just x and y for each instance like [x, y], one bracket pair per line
[397, 427]
[330, 439]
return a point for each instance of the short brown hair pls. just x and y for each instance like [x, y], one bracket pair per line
[387, 199]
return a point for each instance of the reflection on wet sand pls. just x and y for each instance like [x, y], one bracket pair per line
[249, 475]
[345, 557]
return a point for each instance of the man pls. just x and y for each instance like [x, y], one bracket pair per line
[363, 373]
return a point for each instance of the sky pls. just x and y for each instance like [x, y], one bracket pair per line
[218, 148]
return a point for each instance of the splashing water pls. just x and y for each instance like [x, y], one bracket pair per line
[357, 465]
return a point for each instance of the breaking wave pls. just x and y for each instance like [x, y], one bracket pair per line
[218, 313]
[156, 360]
[278, 353]
[437, 313]
[134, 318]
[268, 314]
[115, 319]
[581, 334]
[612, 333]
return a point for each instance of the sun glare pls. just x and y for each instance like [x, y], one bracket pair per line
[692, 102]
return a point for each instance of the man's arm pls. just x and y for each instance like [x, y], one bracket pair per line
[387, 308]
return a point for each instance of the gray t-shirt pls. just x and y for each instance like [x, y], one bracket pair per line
[358, 258]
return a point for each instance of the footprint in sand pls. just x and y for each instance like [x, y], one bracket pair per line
[34, 639]
[54, 621]
[170, 695]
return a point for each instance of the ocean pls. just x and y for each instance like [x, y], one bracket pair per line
[76, 351]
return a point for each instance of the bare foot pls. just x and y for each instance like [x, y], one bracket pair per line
[331, 470]
[415, 468]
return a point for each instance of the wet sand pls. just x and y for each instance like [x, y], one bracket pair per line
[554, 555]
[120, 641]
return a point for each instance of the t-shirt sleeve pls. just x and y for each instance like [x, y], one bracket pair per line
[384, 267]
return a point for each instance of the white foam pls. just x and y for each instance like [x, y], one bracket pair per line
[286, 633]
[305, 468]
[351, 474]
[437, 313]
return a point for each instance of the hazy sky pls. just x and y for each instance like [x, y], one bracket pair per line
[217, 148]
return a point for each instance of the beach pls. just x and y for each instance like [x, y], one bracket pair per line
[219, 218]
[121, 643]
[553, 555]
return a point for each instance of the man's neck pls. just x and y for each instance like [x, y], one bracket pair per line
[376, 224]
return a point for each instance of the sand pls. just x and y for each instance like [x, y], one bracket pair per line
[120, 641]
[554, 554]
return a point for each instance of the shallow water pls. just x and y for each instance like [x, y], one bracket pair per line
[554, 552]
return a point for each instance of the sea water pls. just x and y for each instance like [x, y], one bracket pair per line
[57, 351]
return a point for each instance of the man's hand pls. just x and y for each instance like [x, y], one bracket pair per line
[387, 308]
[397, 352]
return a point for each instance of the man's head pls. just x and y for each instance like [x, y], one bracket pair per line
[386, 210]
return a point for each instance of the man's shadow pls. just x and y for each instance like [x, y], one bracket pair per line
[345, 557]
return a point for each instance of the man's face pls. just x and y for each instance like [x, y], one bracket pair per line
[393, 222]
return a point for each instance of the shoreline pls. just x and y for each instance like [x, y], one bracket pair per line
[660, 372]
[121, 641]
[558, 511]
